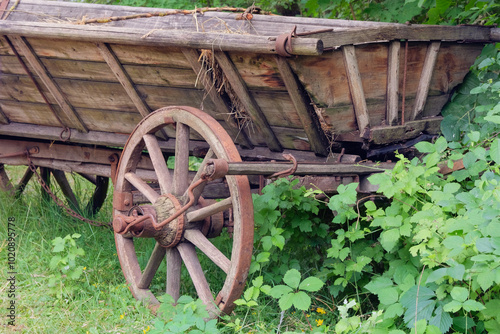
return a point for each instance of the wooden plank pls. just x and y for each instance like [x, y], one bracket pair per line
[3, 118]
[304, 108]
[5, 184]
[411, 129]
[158, 37]
[356, 89]
[29, 10]
[248, 102]
[74, 153]
[46, 78]
[123, 77]
[425, 79]
[406, 32]
[238, 135]
[393, 83]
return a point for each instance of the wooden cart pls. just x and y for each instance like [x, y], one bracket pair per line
[112, 92]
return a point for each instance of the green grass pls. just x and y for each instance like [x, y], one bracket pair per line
[102, 302]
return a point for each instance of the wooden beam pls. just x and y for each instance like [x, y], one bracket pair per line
[158, 37]
[268, 168]
[5, 184]
[356, 89]
[238, 134]
[3, 118]
[425, 79]
[361, 35]
[123, 77]
[248, 102]
[304, 108]
[44, 75]
[393, 83]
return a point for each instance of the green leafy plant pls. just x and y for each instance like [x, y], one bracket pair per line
[294, 293]
[64, 264]
[185, 316]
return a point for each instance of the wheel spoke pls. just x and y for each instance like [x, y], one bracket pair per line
[174, 263]
[209, 210]
[181, 170]
[152, 266]
[159, 164]
[199, 240]
[199, 190]
[188, 254]
[142, 186]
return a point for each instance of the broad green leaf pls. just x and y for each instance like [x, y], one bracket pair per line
[301, 301]
[278, 241]
[421, 326]
[442, 320]
[389, 239]
[286, 301]
[257, 282]
[388, 296]
[378, 284]
[457, 271]
[486, 279]
[469, 159]
[453, 306]
[491, 309]
[436, 275]
[441, 144]
[54, 261]
[431, 329]
[279, 290]
[393, 310]
[262, 257]
[292, 278]
[472, 305]
[266, 243]
[311, 284]
[459, 293]
[495, 151]
[425, 147]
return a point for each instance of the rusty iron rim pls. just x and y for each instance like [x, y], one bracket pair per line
[242, 206]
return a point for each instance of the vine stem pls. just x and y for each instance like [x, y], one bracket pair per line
[305, 316]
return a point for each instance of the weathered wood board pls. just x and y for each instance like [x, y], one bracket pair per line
[299, 102]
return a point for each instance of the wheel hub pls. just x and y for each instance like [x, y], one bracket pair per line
[166, 206]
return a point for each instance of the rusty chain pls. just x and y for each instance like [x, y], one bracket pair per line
[58, 201]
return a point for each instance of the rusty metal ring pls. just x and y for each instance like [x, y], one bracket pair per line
[68, 130]
[284, 43]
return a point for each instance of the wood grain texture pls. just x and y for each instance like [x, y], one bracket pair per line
[3, 118]
[393, 83]
[154, 262]
[51, 85]
[123, 77]
[356, 88]
[224, 106]
[304, 108]
[247, 100]
[158, 37]
[425, 79]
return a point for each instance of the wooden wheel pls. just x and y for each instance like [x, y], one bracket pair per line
[179, 240]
